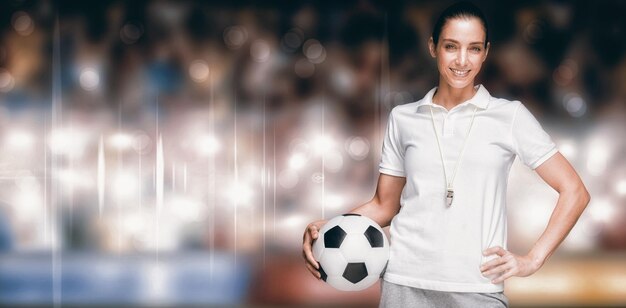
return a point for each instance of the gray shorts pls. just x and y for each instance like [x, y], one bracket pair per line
[399, 296]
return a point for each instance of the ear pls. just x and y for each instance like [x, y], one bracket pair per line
[486, 51]
[432, 48]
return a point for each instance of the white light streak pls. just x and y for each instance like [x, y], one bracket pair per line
[185, 177]
[173, 176]
[620, 187]
[159, 169]
[101, 175]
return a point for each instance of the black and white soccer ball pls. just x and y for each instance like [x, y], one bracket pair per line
[352, 251]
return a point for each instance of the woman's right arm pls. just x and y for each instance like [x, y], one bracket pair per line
[382, 208]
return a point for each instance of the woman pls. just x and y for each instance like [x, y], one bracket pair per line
[442, 183]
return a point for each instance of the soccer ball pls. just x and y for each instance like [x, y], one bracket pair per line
[352, 252]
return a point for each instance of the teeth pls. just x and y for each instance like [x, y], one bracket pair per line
[460, 73]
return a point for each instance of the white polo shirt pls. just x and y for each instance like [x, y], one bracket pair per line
[438, 247]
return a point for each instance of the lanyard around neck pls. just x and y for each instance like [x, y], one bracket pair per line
[449, 184]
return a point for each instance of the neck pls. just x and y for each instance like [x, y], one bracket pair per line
[450, 97]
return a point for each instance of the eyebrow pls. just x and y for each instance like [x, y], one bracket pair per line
[455, 41]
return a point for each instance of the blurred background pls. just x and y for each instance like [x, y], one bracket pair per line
[171, 153]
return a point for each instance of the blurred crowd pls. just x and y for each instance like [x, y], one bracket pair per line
[142, 126]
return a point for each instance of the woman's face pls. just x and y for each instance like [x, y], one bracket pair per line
[460, 52]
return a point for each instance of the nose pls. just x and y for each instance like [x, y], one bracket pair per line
[461, 58]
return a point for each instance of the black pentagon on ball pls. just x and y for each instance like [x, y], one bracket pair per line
[355, 272]
[351, 214]
[334, 237]
[374, 236]
[322, 272]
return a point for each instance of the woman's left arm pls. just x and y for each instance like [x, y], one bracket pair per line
[573, 198]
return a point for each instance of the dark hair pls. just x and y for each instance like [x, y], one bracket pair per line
[461, 9]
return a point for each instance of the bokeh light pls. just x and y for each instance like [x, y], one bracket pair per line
[89, 79]
[22, 23]
[292, 40]
[121, 141]
[7, 82]
[288, 178]
[131, 32]
[207, 144]
[568, 149]
[19, 140]
[126, 185]
[297, 161]
[70, 142]
[620, 187]
[597, 157]
[199, 71]
[304, 68]
[601, 210]
[575, 105]
[314, 51]
[260, 50]
[235, 37]
[358, 148]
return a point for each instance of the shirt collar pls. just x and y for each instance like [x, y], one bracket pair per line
[480, 99]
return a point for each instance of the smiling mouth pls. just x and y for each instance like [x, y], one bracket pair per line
[460, 73]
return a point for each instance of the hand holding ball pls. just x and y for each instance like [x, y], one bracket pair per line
[352, 251]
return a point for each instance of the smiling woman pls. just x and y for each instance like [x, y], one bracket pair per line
[447, 208]
[460, 47]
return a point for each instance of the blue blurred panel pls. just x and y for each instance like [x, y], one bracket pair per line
[198, 281]
[127, 280]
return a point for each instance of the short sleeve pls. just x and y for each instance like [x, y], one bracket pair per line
[392, 158]
[530, 141]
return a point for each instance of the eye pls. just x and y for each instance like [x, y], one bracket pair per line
[476, 49]
[449, 46]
